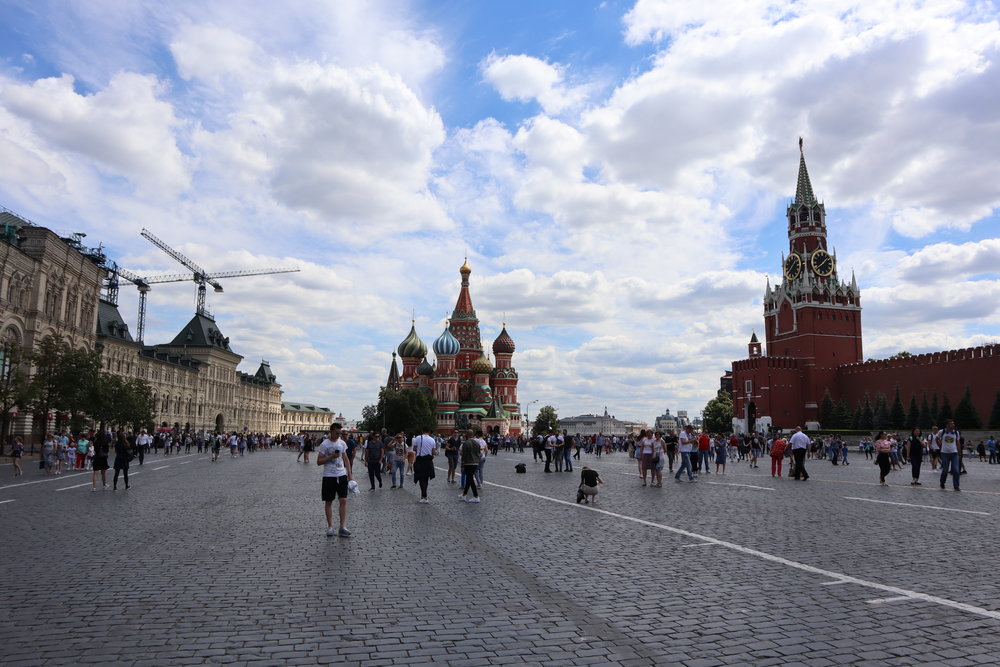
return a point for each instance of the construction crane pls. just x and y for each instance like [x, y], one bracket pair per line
[201, 277]
[143, 284]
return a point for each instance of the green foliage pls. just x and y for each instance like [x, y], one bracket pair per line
[897, 415]
[546, 420]
[857, 416]
[880, 419]
[407, 410]
[926, 419]
[966, 415]
[901, 355]
[122, 403]
[718, 416]
[935, 411]
[842, 417]
[826, 409]
[995, 413]
[945, 413]
[14, 385]
[913, 415]
[64, 380]
[867, 414]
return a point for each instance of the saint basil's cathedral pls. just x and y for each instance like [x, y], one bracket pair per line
[463, 381]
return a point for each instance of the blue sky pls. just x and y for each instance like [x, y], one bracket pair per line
[617, 173]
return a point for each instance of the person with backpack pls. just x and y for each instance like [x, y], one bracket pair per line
[470, 454]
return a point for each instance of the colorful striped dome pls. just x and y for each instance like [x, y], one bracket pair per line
[412, 347]
[446, 343]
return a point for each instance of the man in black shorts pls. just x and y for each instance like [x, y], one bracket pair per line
[451, 448]
[332, 455]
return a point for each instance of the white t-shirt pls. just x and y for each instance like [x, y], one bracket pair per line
[799, 440]
[684, 441]
[423, 445]
[335, 466]
[646, 446]
[949, 441]
[550, 442]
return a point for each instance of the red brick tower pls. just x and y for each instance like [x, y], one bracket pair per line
[465, 327]
[504, 379]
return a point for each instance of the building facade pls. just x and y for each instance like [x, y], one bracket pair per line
[307, 418]
[606, 424]
[812, 330]
[53, 286]
[465, 384]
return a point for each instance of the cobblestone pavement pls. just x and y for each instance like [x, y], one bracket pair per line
[229, 563]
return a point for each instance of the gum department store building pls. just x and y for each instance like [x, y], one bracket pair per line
[53, 286]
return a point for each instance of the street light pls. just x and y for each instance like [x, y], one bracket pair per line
[527, 412]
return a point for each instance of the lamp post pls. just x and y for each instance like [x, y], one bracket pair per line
[527, 413]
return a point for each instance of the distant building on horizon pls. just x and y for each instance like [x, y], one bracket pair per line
[606, 424]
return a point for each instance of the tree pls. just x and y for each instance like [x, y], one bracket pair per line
[897, 415]
[14, 386]
[718, 415]
[945, 413]
[547, 420]
[995, 413]
[842, 417]
[880, 418]
[935, 411]
[867, 414]
[966, 415]
[405, 410]
[901, 355]
[926, 416]
[121, 403]
[913, 415]
[858, 417]
[826, 410]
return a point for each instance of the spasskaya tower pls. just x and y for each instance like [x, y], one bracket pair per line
[812, 324]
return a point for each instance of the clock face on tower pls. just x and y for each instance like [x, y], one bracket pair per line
[822, 263]
[793, 266]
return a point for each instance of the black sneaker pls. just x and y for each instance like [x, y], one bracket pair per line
[343, 532]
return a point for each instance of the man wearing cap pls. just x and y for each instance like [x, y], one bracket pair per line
[332, 455]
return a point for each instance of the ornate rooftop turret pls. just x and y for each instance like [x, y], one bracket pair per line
[412, 347]
[504, 344]
[803, 188]
[481, 365]
[425, 368]
[446, 343]
[392, 383]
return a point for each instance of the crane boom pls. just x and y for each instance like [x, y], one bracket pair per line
[199, 275]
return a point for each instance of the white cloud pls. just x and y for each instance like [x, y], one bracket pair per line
[127, 128]
[525, 78]
[950, 262]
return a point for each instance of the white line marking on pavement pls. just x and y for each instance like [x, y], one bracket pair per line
[6, 501]
[75, 486]
[703, 544]
[185, 463]
[834, 583]
[930, 507]
[892, 599]
[846, 578]
[47, 479]
[749, 486]
[161, 468]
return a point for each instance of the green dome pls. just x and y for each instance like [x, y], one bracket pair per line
[412, 347]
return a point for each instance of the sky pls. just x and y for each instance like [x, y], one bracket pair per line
[616, 172]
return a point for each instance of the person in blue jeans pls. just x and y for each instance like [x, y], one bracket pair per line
[568, 451]
[685, 443]
[949, 440]
[396, 453]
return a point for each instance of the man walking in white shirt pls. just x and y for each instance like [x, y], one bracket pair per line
[800, 445]
[424, 448]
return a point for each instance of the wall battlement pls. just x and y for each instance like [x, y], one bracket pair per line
[930, 358]
[757, 363]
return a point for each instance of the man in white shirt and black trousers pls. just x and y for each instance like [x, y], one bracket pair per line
[424, 449]
[800, 445]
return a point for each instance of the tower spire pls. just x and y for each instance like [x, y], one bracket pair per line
[803, 188]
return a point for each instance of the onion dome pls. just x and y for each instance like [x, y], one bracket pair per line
[465, 269]
[504, 344]
[481, 365]
[425, 368]
[447, 343]
[412, 347]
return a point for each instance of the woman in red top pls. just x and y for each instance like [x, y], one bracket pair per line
[777, 455]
